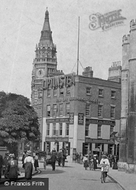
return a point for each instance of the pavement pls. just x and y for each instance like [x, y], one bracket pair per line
[126, 180]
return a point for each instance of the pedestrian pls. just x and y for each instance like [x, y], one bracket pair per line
[95, 162]
[23, 158]
[63, 157]
[12, 167]
[36, 163]
[59, 156]
[53, 160]
[28, 161]
[90, 160]
[1, 164]
[85, 161]
[5, 164]
[105, 164]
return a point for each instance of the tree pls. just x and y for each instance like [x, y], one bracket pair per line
[18, 120]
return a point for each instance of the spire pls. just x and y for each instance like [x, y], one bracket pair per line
[46, 33]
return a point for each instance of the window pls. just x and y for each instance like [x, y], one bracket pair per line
[49, 93]
[54, 111]
[54, 92]
[101, 92]
[99, 131]
[60, 109]
[54, 128]
[113, 93]
[67, 91]
[67, 108]
[112, 112]
[88, 91]
[100, 110]
[67, 129]
[87, 130]
[60, 129]
[87, 110]
[61, 91]
[48, 110]
[111, 129]
[48, 129]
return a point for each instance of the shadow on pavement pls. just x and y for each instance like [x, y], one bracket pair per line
[51, 172]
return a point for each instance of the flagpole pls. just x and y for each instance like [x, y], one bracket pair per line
[78, 46]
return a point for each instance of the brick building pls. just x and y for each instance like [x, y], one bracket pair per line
[80, 112]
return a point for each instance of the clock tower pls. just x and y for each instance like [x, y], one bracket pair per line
[44, 65]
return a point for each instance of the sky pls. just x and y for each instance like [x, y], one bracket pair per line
[21, 22]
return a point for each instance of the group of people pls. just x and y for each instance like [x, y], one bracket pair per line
[54, 157]
[91, 161]
[9, 165]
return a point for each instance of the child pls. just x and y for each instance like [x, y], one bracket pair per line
[85, 161]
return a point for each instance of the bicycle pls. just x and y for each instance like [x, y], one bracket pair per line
[104, 171]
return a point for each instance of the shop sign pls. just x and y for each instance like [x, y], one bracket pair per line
[80, 119]
[71, 118]
[89, 101]
[100, 122]
[59, 139]
[58, 120]
[59, 81]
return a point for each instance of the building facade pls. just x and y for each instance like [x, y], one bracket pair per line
[80, 113]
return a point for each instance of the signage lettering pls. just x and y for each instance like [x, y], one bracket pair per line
[59, 81]
[106, 21]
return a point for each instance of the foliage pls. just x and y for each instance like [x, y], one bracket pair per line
[18, 119]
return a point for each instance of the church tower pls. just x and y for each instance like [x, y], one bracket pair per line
[44, 65]
[127, 159]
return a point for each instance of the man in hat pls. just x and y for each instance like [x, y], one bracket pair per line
[28, 164]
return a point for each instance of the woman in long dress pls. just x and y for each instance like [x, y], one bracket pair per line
[12, 168]
[28, 162]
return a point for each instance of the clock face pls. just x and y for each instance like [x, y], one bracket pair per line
[40, 73]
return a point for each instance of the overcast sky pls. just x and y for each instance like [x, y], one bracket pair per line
[21, 22]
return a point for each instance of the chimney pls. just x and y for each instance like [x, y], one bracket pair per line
[115, 72]
[88, 72]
